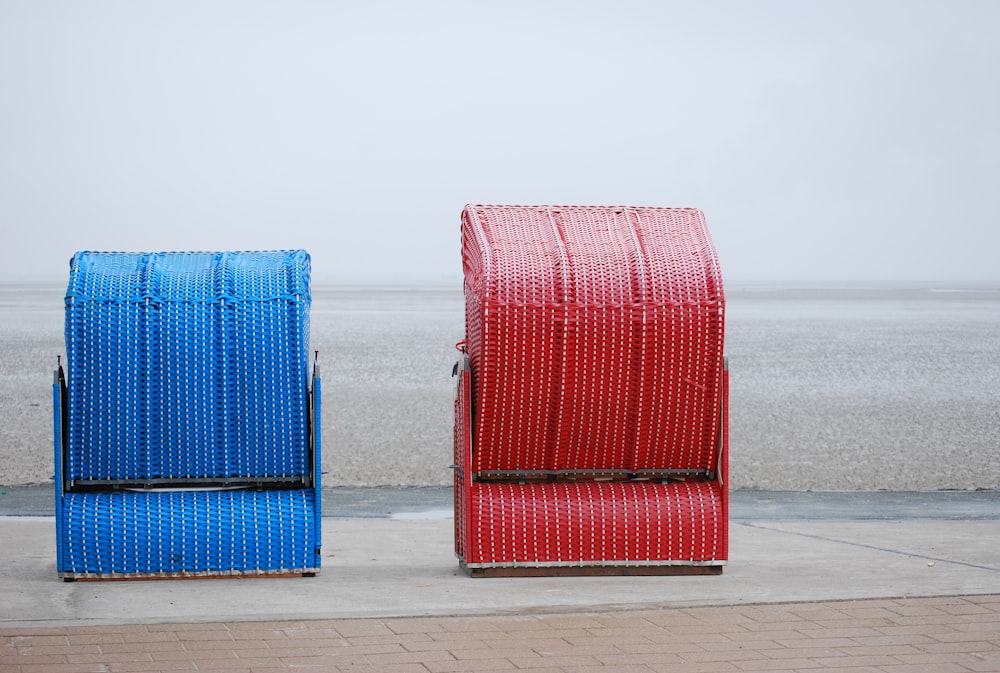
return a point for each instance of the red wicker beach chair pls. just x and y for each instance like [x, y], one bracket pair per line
[591, 408]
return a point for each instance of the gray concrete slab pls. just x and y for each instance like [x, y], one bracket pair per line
[784, 548]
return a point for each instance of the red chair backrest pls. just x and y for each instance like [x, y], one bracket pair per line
[595, 336]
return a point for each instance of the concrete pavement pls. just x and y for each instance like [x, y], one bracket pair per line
[865, 569]
[393, 558]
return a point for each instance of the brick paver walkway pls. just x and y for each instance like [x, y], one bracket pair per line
[917, 635]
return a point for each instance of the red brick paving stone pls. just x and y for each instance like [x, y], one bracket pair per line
[240, 664]
[458, 645]
[699, 628]
[818, 642]
[30, 639]
[38, 631]
[778, 666]
[968, 638]
[897, 651]
[668, 618]
[779, 613]
[329, 634]
[63, 668]
[694, 667]
[913, 640]
[469, 666]
[379, 649]
[915, 609]
[938, 602]
[107, 658]
[547, 669]
[598, 649]
[558, 635]
[159, 646]
[610, 668]
[204, 645]
[646, 659]
[149, 637]
[206, 636]
[462, 636]
[408, 657]
[972, 623]
[845, 623]
[959, 624]
[568, 662]
[95, 638]
[813, 666]
[803, 652]
[848, 661]
[571, 622]
[962, 647]
[933, 668]
[992, 600]
[153, 667]
[968, 659]
[212, 656]
[40, 659]
[350, 628]
[262, 636]
[529, 643]
[367, 668]
[816, 612]
[988, 662]
[506, 624]
[414, 625]
[320, 644]
[678, 647]
[735, 656]
[489, 653]
[57, 650]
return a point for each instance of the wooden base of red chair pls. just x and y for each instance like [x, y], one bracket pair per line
[593, 571]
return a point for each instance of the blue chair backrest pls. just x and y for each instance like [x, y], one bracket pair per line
[187, 366]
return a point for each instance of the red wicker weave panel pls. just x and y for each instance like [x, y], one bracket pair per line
[597, 522]
[595, 337]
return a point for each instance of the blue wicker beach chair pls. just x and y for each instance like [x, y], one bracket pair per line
[187, 421]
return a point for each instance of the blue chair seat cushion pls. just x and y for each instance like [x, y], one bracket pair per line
[189, 532]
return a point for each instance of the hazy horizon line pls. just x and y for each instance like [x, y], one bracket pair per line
[403, 279]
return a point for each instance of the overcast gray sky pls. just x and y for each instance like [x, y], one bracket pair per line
[825, 140]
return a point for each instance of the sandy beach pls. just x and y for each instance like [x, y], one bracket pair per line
[834, 387]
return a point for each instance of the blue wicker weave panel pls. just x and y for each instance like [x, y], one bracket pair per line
[189, 532]
[187, 365]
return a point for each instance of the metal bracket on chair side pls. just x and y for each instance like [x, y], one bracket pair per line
[59, 435]
[59, 383]
[720, 448]
[312, 423]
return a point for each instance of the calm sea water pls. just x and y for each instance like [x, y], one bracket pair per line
[833, 387]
